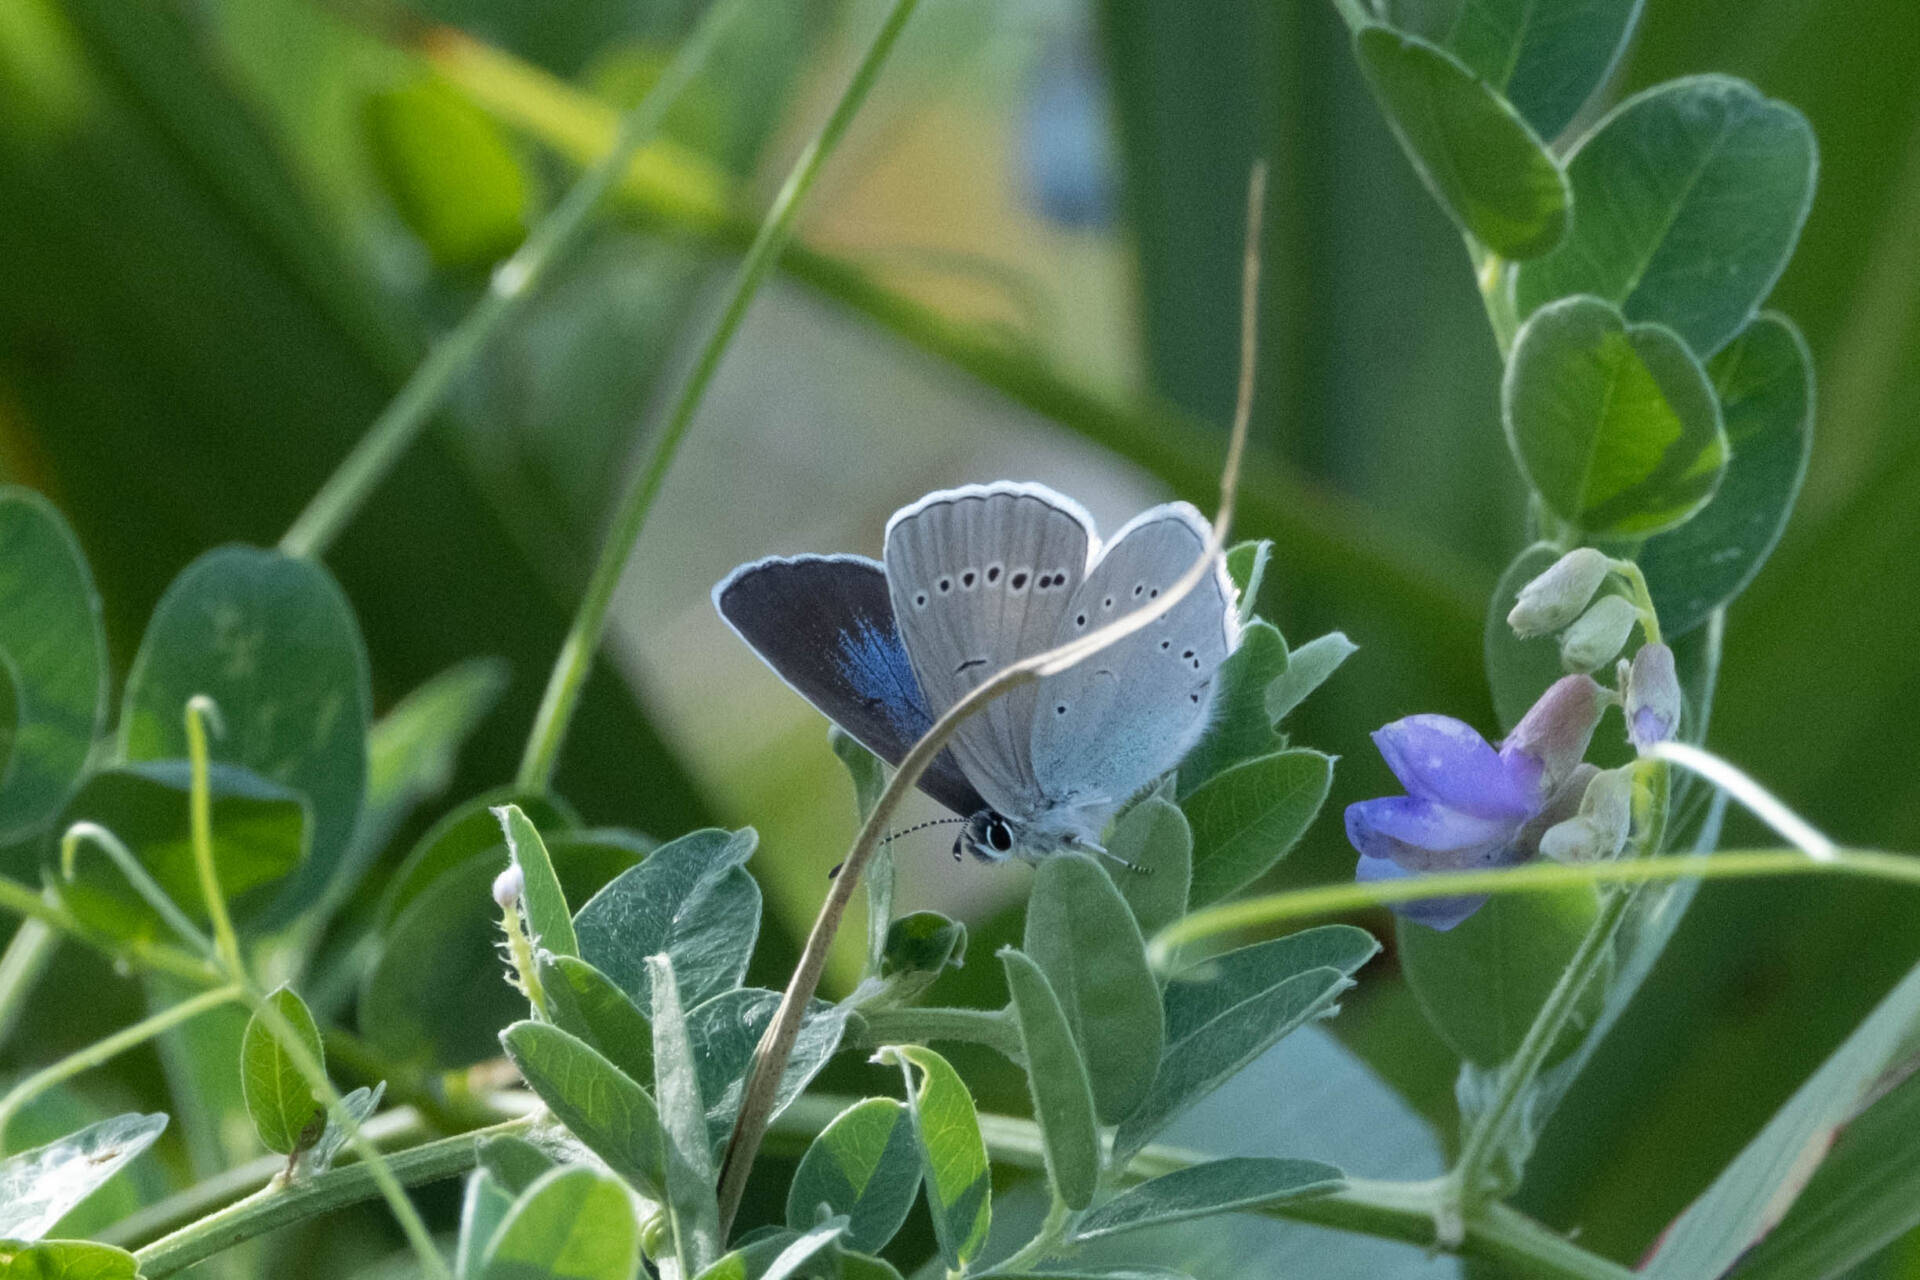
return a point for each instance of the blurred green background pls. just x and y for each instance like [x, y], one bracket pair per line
[229, 228]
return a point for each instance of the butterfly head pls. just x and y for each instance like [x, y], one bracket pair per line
[993, 837]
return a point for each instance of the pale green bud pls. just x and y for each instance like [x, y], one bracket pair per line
[1556, 597]
[1599, 830]
[1599, 634]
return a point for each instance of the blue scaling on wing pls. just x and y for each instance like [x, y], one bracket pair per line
[875, 664]
[825, 625]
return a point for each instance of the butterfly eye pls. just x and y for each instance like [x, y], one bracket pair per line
[999, 838]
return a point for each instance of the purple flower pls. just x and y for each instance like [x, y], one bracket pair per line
[1467, 805]
[1652, 690]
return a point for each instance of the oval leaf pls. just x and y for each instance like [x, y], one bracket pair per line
[1057, 1081]
[572, 1224]
[952, 1152]
[691, 900]
[1153, 836]
[1764, 380]
[50, 631]
[1614, 425]
[1546, 56]
[273, 642]
[1480, 160]
[866, 1165]
[1218, 1186]
[726, 1030]
[1691, 196]
[1307, 669]
[546, 902]
[285, 1113]
[484, 1207]
[1241, 727]
[612, 1115]
[1081, 933]
[1247, 819]
[451, 174]
[65, 1260]
[586, 1004]
[691, 1206]
[1482, 982]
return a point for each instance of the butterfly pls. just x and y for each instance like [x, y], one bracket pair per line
[971, 580]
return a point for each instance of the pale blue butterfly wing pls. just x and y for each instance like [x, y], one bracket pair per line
[1116, 721]
[825, 625]
[981, 577]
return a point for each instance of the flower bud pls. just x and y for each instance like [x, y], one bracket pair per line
[1598, 634]
[508, 886]
[1558, 596]
[1600, 829]
[1556, 731]
[1652, 691]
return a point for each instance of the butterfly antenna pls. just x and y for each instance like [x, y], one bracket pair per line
[1109, 854]
[895, 835]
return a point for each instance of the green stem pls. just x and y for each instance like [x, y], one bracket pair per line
[1400, 1211]
[277, 1204]
[25, 959]
[143, 883]
[590, 622]
[514, 282]
[1230, 921]
[226, 942]
[989, 1027]
[1494, 275]
[22, 901]
[376, 1165]
[104, 1050]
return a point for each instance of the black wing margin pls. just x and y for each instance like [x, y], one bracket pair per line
[824, 624]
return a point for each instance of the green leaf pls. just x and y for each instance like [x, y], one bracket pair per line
[600, 1105]
[1089, 1273]
[920, 946]
[259, 838]
[515, 1163]
[285, 1113]
[1199, 994]
[1482, 982]
[572, 1224]
[690, 899]
[1518, 671]
[273, 642]
[862, 1266]
[65, 1260]
[1247, 566]
[1614, 425]
[484, 1207]
[1865, 1194]
[1216, 1028]
[1546, 56]
[1242, 727]
[1218, 1186]
[50, 631]
[953, 1154]
[1307, 669]
[438, 986]
[1153, 835]
[1082, 934]
[360, 1104]
[586, 1004]
[464, 832]
[1481, 161]
[9, 712]
[38, 1187]
[1691, 196]
[1247, 819]
[546, 904]
[1057, 1080]
[691, 1206]
[449, 171]
[778, 1257]
[1760, 1185]
[1764, 380]
[866, 1165]
[725, 1031]
[867, 771]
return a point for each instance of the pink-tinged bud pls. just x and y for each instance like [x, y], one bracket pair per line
[508, 886]
[1600, 829]
[1555, 733]
[1598, 634]
[1652, 691]
[1558, 596]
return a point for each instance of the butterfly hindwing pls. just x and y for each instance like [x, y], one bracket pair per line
[825, 625]
[1121, 718]
[981, 577]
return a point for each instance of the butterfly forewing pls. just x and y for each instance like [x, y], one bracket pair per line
[1121, 718]
[982, 577]
[825, 625]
